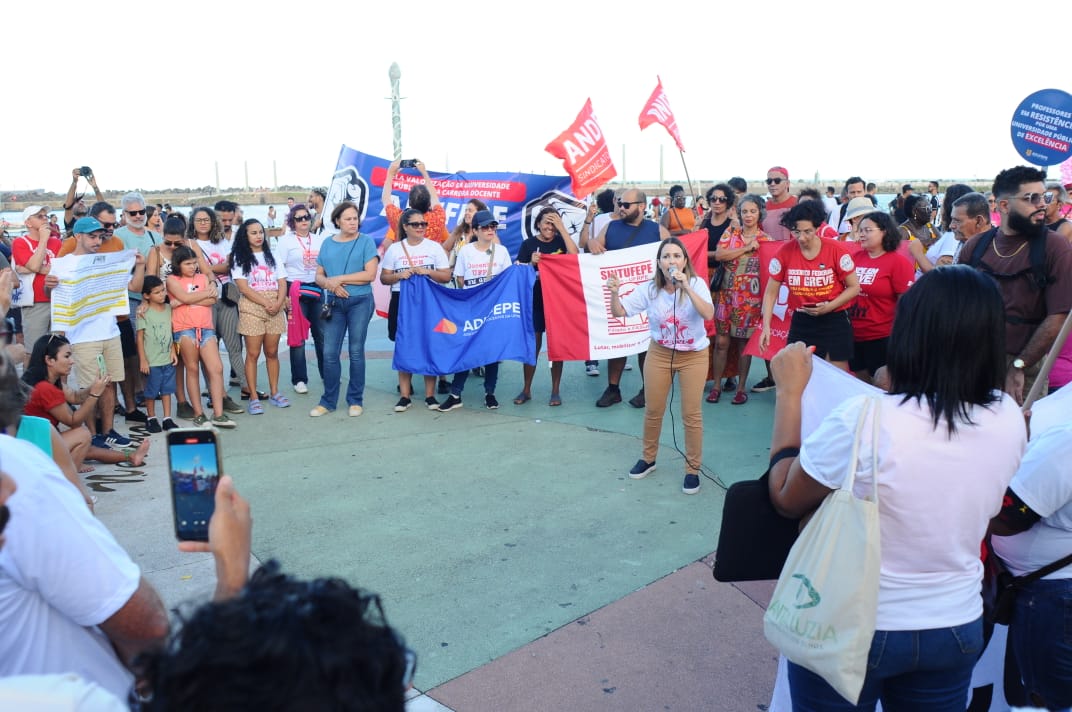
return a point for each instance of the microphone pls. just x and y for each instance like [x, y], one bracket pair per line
[672, 270]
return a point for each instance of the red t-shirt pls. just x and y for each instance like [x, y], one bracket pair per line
[44, 397]
[22, 250]
[882, 280]
[811, 281]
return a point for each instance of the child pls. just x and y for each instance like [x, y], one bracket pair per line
[261, 319]
[156, 352]
[192, 297]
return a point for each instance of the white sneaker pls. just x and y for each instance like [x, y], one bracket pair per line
[591, 369]
[300, 387]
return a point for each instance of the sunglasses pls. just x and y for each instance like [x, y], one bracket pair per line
[417, 224]
[1036, 198]
[775, 181]
[719, 199]
[489, 226]
[169, 243]
[302, 218]
[626, 204]
[136, 212]
[108, 225]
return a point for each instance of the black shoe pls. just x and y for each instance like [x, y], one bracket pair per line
[491, 402]
[153, 426]
[612, 395]
[478, 371]
[169, 424]
[444, 387]
[451, 403]
[403, 405]
[730, 385]
[637, 401]
[135, 416]
[766, 384]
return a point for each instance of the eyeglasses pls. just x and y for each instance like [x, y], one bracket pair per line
[205, 220]
[417, 225]
[136, 212]
[489, 226]
[302, 218]
[868, 230]
[626, 204]
[108, 225]
[1037, 198]
[806, 233]
[775, 181]
[718, 199]
[169, 243]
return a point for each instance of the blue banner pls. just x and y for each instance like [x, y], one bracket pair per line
[442, 331]
[514, 198]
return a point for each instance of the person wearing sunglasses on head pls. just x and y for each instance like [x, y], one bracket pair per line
[298, 250]
[1033, 269]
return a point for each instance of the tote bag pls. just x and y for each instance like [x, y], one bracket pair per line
[822, 613]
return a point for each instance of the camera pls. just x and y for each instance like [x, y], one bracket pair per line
[325, 311]
[85, 171]
[408, 163]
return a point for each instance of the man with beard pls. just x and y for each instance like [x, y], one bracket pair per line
[135, 236]
[1033, 270]
[780, 202]
[629, 230]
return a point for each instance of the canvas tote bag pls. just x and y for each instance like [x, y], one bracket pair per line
[822, 613]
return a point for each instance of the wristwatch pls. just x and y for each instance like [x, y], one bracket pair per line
[1018, 363]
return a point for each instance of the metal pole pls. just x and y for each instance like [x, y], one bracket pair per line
[275, 177]
[245, 169]
[623, 164]
[687, 179]
[660, 166]
[396, 117]
[217, 176]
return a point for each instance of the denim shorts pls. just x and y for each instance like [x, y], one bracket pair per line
[160, 381]
[199, 336]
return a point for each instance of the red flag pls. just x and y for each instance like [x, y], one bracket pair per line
[584, 153]
[657, 110]
[781, 316]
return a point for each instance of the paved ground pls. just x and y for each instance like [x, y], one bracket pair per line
[523, 566]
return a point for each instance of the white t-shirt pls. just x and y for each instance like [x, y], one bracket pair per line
[216, 253]
[944, 246]
[472, 264]
[426, 253]
[598, 223]
[672, 319]
[61, 575]
[263, 277]
[936, 498]
[298, 255]
[55, 693]
[1043, 483]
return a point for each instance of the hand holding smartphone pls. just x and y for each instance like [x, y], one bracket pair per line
[194, 466]
[102, 366]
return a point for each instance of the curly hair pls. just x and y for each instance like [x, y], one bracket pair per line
[215, 231]
[242, 252]
[283, 644]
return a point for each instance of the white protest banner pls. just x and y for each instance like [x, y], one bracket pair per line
[90, 285]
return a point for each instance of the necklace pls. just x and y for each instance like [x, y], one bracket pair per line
[1011, 254]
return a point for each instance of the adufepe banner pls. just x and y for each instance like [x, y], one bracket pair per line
[514, 199]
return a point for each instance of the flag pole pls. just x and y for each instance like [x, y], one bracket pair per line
[687, 178]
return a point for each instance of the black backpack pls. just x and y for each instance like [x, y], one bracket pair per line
[1040, 280]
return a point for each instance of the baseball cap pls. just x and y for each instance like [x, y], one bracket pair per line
[86, 225]
[32, 210]
[484, 217]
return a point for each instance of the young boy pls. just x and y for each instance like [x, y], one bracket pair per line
[156, 352]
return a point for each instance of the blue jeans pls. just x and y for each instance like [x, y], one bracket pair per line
[1041, 639]
[350, 316]
[299, 371]
[908, 670]
[491, 379]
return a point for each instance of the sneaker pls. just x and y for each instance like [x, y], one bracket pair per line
[356, 410]
[222, 421]
[403, 404]
[443, 388]
[591, 368]
[135, 416]
[99, 441]
[478, 371]
[153, 426]
[637, 401]
[230, 406]
[491, 402]
[169, 424]
[691, 485]
[185, 411]
[765, 385]
[279, 401]
[610, 396]
[641, 469]
[301, 388]
[255, 407]
[628, 366]
[200, 421]
[730, 385]
[318, 411]
[432, 403]
[116, 440]
[452, 402]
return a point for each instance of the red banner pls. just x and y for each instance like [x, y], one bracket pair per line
[584, 153]
[782, 314]
[657, 111]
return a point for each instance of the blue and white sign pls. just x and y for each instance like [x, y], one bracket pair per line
[1042, 127]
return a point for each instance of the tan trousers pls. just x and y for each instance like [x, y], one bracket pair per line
[691, 368]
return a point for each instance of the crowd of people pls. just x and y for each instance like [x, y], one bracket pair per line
[874, 294]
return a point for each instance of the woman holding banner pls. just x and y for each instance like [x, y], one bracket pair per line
[820, 276]
[676, 302]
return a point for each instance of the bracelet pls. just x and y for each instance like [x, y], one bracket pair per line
[587, 222]
[94, 395]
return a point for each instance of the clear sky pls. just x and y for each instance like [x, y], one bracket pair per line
[152, 95]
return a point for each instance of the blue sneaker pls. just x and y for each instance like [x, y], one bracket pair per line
[114, 439]
[691, 485]
[641, 469]
[99, 441]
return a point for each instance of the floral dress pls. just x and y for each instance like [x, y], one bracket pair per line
[739, 306]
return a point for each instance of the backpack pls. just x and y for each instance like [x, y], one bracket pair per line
[1037, 254]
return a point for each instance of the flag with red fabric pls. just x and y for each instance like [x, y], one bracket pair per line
[584, 153]
[657, 111]
[782, 314]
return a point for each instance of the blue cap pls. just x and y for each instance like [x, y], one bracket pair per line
[483, 217]
[86, 225]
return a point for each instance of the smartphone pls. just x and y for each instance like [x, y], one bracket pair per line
[408, 163]
[102, 366]
[194, 467]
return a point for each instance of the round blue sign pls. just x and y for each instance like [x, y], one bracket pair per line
[1042, 127]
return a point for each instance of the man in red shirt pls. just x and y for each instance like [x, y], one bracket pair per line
[780, 201]
[32, 254]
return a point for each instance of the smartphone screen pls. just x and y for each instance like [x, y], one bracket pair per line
[194, 464]
[102, 367]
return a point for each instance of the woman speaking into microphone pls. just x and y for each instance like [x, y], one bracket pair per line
[676, 302]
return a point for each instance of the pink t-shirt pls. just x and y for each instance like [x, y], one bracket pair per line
[1061, 373]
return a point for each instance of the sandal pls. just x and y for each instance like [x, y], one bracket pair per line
[522, 398]
[256, 407]
[740, 399]
[555, 400]
[261, 395]
[279, 401]
[714, 394]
